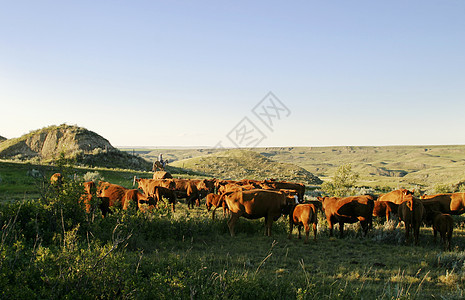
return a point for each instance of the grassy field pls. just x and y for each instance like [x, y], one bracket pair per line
[50, 248]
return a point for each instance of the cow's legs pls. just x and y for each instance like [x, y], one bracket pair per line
[291, 226]
[307, 231]
[330, 224]
[341, 229]
[268, 223]
[232, 222]
[314, 231]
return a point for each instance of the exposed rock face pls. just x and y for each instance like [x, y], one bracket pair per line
[48, 143]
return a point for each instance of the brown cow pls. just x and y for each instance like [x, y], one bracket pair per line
[300, 188]
[445, 225]
[149, 185]
[185, 188]
[90, 190]
[157, 189]
[348, 210]
[453, 203]
[214, 200]
[255, 204]
[413, 213]
[162, 192]
[116, 195]
[396, 196]
[384, 208]
[303, 214]
[204, 186]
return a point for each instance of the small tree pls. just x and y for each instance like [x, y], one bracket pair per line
[344, 179]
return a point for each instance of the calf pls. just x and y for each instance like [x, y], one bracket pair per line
[445, 225]
[303, 215]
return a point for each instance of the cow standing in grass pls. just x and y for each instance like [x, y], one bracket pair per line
[413, 213]
[304, 215]
[256, 204]
[348, 210]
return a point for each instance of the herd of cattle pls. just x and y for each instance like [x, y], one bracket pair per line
[270, 199]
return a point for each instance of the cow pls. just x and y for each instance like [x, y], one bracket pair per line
[348, 210]
[116, 195]
[300, 188]
[163, 192]
[453, 203]
[204, 186]
[413, 213]
[157, 189]
[255, 204]
[213, 199]
[89, 191]
[149, 185]
[396, 196]
[185, 188]
[303, 215]
[385, 208]
[444, 223]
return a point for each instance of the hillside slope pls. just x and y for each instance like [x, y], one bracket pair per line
[383, 166]
[239, 164]
[2, 139]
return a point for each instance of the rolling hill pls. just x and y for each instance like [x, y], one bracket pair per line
[378, 166]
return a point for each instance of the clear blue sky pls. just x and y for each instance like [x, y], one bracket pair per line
[185, 73]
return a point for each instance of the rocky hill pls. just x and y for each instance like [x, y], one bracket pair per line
[2, 139]
[48, 143]
[87, 147]
[238, 164]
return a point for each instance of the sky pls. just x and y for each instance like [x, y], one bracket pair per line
[236, 73]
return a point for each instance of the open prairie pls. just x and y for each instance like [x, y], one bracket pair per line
[51, 248]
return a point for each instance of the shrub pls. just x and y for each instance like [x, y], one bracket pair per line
[342, 181]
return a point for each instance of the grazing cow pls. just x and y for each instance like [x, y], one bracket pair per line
[348, 210]
[255, 204]
[303, 215]
[397, 196]
[385, 208]
[412, 212]
[445, 225]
